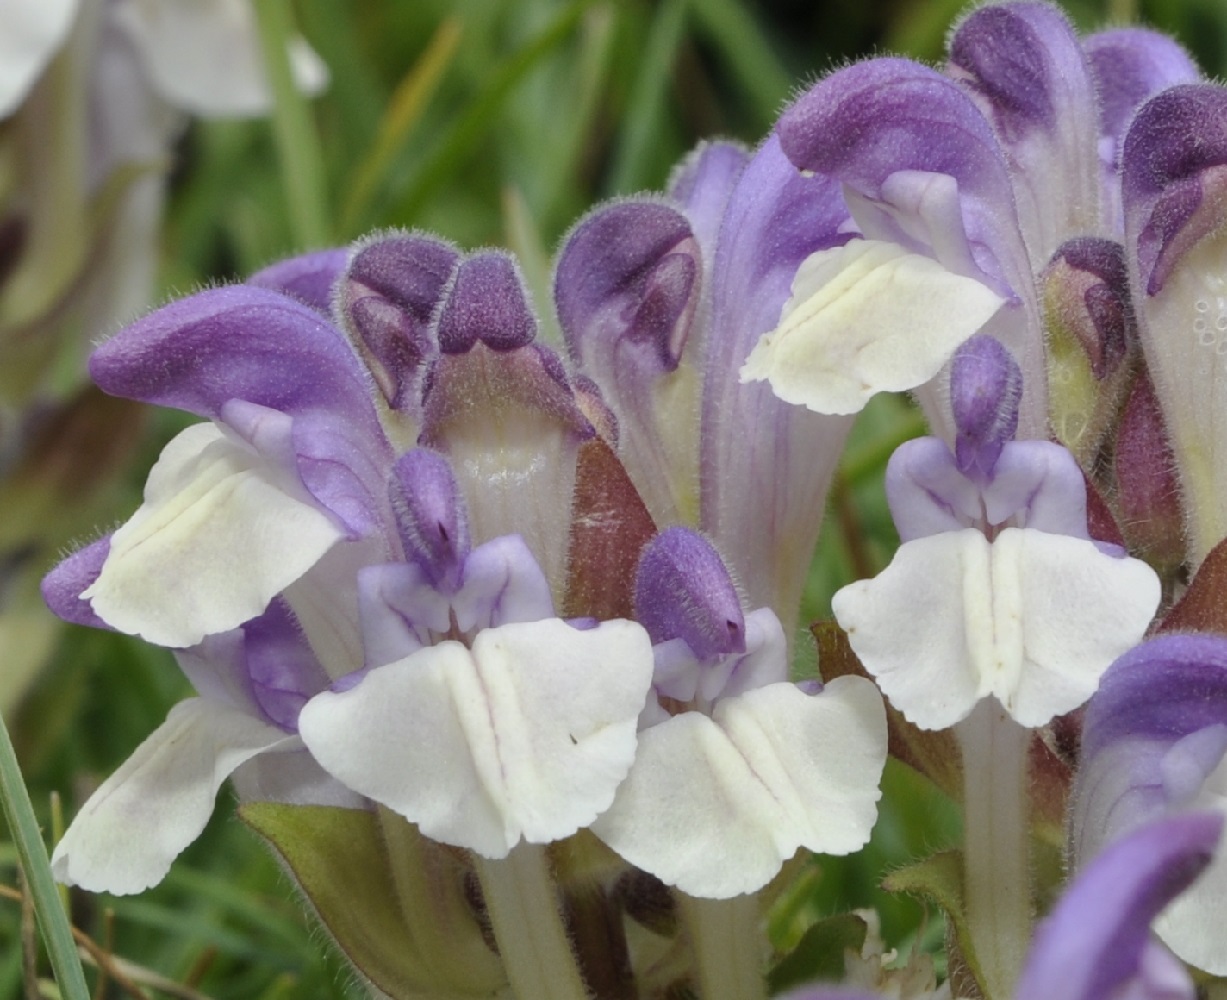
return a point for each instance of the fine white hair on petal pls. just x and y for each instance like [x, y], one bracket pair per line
[864, 318]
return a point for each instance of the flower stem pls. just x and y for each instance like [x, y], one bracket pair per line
[996, 844]
[52, 920]
[727, 939]
[528, 925]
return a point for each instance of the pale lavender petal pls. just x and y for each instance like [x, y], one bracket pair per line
[502, 584]
[683, 591]
[702, 183]
[237, 342]
[389, 295]
[1039, 485]
[1097, 941]
[62, 587]
[926, 491]
[1174, 185]
[398, 608]
[283, 670]
[765, 465]
[1130, 65]
[310, 278]
[1024, 67]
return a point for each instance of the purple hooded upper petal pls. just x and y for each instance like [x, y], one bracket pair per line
[430, 514]
[487, 302]
[1169, 692]
[1023, 65]
[310, 278]
[887, 128]
[1097, 941]
[389, 295]
[765, 465]
[627, 288]
[237, 342]
[1172, 150]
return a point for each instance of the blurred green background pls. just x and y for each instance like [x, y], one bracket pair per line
[490, 123]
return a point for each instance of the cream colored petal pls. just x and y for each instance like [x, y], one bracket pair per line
[864, 318]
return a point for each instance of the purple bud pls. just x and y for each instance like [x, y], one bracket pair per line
[388, 296]
[1087, 287]
[487, 302]
[626, 286]
[985, 389]
[683, 591]
[430, 514]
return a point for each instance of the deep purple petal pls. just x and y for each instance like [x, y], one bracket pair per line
[683, 591]
[1095, 941]
[309, 278]
[389, 295]
[62, 587]
[486, 302]
[1174, 143]
[765, 465]
[237, 342]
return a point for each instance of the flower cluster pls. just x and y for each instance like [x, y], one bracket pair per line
[435, 578]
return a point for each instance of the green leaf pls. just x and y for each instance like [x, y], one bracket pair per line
[339, 858]
[939, 879]
[820, 953]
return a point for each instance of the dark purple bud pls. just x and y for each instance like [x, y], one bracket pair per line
[1147, 486]
[310, 278]
[1086, 292]
[430, 513]
[388, 297]
[985, 389]
[62, 587]
[627, 283]
[1171, 151]
[486, 302]
[683, 591]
